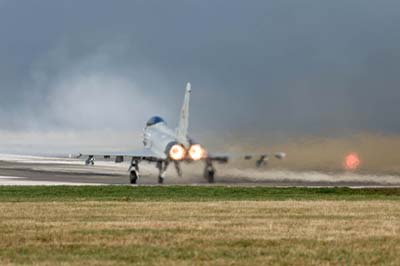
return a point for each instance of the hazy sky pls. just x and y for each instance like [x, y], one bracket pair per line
[298, 66]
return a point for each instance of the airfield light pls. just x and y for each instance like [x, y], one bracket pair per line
[177, 152]
[352, 161]
[197, 152]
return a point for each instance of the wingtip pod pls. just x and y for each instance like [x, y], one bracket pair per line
[188, 87]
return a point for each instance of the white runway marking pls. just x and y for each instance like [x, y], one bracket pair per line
[43, 183]
[36, 159]
[20, 181]
[9, 177]
[29, 159]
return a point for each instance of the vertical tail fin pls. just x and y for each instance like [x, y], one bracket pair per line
[182, 130]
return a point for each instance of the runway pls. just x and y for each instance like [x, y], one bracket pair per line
[34, 170]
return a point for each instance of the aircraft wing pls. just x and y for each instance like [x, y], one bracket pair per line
[144, 154]
[148, 155]
[260, 159]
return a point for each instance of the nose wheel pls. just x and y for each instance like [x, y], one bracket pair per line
[162, 167]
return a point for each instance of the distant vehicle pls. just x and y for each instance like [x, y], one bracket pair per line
[164, 146]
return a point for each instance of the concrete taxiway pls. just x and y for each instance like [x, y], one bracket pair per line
[34, 170]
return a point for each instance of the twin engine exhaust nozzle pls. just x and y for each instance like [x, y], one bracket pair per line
[178, 152]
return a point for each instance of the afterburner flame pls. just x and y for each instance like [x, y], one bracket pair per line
[197, 152]
[352, 161]
[177, 152]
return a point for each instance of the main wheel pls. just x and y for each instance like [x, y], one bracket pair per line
[210, 176]
[133, 177]
[160, 180]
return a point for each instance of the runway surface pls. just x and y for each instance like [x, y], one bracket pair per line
[34, 170]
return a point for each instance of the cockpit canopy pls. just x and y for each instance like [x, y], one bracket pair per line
[154, 120]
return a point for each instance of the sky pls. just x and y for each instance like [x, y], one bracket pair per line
[256, 67]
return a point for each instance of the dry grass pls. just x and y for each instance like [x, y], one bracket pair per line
[207, 233]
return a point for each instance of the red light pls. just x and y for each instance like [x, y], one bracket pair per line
[352, 161]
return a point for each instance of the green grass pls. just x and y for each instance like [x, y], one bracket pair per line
[279, 252]
[189, 193]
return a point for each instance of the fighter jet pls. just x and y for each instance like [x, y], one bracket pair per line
[164, 146]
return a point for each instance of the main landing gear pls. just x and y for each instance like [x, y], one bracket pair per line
[209, 172]
[162, 166]
[134, 171]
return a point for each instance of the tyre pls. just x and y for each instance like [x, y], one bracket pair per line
[133, 177]
[210, 176]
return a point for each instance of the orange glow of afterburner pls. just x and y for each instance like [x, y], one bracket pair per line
[177, 152]
[352, 162]
[197, 152]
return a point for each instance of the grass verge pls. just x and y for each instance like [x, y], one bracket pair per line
[189, 193]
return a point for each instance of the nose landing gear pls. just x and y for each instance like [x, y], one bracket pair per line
[162, 167]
